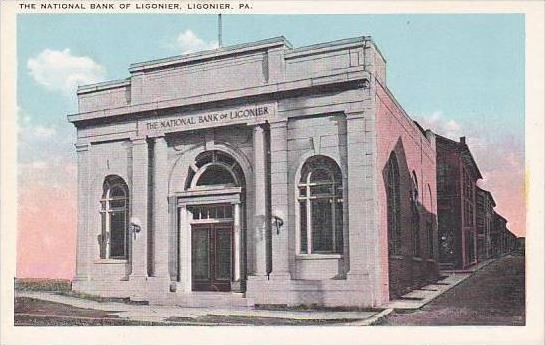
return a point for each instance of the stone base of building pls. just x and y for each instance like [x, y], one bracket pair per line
[262, 291]
[327, 293]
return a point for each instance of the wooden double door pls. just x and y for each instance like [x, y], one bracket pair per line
[212, 256]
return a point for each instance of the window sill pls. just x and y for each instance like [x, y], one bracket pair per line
[111, 261]
[318, 256]
[417, 258]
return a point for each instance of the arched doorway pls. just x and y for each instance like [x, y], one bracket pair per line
[211, 223]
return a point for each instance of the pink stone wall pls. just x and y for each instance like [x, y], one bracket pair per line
[415, 152]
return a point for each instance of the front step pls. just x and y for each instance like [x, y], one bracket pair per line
[206, 299]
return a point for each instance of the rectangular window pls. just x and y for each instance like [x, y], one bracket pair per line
[303, 225]
[117, 234]
[103, 236]
[339, 227]
[322, 236]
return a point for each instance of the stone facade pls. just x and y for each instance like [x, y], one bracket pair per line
[255, 173]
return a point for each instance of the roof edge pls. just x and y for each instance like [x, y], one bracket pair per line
[207, 54]
[111, 84]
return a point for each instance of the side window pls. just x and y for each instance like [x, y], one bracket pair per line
[415, 216]
[320, 204]
[394, 206]
[114, 210]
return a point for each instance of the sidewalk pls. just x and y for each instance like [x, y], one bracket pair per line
[173, 315]
[418, 298]
[170, 314]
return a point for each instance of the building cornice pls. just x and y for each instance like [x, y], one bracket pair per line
[355, 75]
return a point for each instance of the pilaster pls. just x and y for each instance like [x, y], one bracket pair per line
[260, 202]
[160, 208]
[83, 254]
[236, 284]
[362, 218]
[279, 200]
[139, 212]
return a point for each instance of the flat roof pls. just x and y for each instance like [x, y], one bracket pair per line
[211, 53]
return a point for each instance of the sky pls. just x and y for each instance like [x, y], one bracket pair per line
[457, 74]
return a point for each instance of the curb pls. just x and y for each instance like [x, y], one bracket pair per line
[470, 274]
[373, 320]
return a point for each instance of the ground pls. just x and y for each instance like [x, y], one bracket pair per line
[495, 295]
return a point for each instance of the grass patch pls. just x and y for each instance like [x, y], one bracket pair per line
[96, 298]
[314, 307]
[37, 284]
[90, 297]
[40, 321]
[256, 320]
[37, 307]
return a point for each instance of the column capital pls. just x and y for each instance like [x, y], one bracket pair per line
[355, 115]
[161, 140]
[139, 141]
[278, 123]
[81, 147]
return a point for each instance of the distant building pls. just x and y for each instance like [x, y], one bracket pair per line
[499, 235]
[484, 222]
[521, 244]
[256, 173]
[457, 174]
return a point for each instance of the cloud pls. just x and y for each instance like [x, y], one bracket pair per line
[43, 132]
[62, 71]
[188, 42]
[437, 122]
[29, 131]
[499, 155]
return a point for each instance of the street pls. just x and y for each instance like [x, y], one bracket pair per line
[494, 295]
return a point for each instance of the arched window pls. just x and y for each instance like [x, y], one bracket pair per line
[394, 206]
[431, 247]
[114, 211]
[216, 174]
[415, 216]
[320, 206]
[215, 168]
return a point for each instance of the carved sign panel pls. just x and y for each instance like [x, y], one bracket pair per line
[249, 114]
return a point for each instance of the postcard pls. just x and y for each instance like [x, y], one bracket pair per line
[288, 172]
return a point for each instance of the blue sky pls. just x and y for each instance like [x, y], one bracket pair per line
[462, 65]
[458, 74]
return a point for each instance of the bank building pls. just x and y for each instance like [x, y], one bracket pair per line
[254, 174]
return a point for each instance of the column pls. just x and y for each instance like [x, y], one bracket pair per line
[184, 258]
[260, 173]
[237, 249]
[139, 208]
[160, 209]
[279, 200]
[82, 251]
[361, 210]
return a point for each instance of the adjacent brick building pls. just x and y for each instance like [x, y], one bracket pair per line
[457, 174]
[503, 240]
[258, 173]
[484, 222]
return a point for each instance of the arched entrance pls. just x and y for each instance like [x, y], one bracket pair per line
[211, 223]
